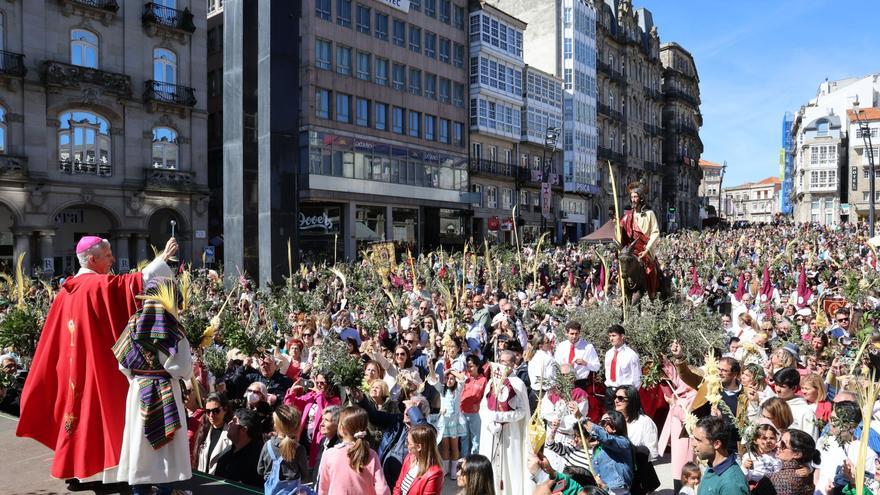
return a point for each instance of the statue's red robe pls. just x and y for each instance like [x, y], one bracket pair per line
[74, 398]
[641, 228]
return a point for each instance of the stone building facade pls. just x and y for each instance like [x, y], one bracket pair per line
[630, 102]
[710, 187]
[682, 145]
[859, 166]
[102, 129]
[753, 202]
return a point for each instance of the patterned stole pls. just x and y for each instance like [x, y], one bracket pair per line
[150, 332]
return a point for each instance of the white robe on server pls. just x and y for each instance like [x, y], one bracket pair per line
[504, 440]
[139, 462]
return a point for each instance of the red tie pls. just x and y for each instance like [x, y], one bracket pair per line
[614, 366]
[571, 354]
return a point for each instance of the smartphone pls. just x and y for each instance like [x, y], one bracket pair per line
[559, 486]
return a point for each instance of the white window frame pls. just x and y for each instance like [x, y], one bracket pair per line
[84, 125]
[81, 44]
[164, 66]
[165, 151]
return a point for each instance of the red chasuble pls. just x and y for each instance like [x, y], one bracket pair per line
[74, 398]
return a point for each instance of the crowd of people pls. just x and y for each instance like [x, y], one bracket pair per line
[476, 369]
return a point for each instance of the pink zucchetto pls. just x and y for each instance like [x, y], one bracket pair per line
[87, 242]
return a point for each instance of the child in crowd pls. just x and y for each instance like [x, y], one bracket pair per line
[690, 478]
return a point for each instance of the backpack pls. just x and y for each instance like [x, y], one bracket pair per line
[274, 485]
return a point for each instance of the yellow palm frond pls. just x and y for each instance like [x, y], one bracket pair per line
[208, 334]
[49, 291]
[165, 295]
[155, 251]
[141, 265]
[185, 281]
[20, 286]
[341, 278]
[6, 282]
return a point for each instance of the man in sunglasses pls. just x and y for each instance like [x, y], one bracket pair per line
[840, 330]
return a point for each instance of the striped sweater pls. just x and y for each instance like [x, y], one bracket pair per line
[573, 456]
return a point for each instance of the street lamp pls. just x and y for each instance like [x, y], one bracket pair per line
[551, 136]
[864, 128]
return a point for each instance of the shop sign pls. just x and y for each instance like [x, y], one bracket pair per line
[315, 222]
[507, 224]
[401, 5]
[494, 223]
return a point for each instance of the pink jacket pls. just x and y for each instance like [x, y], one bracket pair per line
[338, 478]
[305, 403]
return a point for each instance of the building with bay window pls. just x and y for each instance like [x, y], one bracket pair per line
[102, 129]
[354, 135]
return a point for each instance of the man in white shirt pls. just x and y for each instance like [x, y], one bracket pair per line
[578, 353]
[840, 446]
[622, 365]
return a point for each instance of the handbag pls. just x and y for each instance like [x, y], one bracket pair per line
[645, 479]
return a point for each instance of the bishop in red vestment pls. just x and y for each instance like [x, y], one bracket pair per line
[74, 398]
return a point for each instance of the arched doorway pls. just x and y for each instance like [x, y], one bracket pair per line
[71, 224]
[7, 240]
[159, 229]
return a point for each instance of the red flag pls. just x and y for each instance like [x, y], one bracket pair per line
[601, 286]
[740, 286]
[571, 278]
[766, 287]
[696, 289]
[803, 292]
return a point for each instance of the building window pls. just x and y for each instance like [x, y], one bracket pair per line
[458, 134]
[430, 125]
[343, 107]
[415, 39]
[445, 49]
[431, 8]
[362, 112]
[84, 143]
[415, 119]
[398, 76]
[322, 103]
[363, 19]
[164, 148]
[3, 148]
[84, 48]
[343, 13]
[445, 86]
[491, 197]
[430, 44]
[524, 198]
[458, 95]
[398, 36]
[415, 82]
[430, 86]
[363, 66]
[457, 16]
[445, 11]
[506, 198]
[343, 60]
[382, 26]
[381, 118]
[458, 55]
[322, 54]
[444, 131]
[822, 128]
[322, 9]
[397, 120]
[381, 71]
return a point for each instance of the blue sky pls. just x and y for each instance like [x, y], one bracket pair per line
[759, 59]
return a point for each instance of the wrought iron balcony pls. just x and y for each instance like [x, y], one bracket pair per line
[160, 15]
[653, 93]
[12, 64]
[603, 109]
[73, 76]
[13, 167]
[653, 129]
[166, 178]
[491, 167]
[108, 5]
[603, 66]
[681, 95]
[79, 167]
[172, 94]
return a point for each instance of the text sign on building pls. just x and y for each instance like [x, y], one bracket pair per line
[401, 5]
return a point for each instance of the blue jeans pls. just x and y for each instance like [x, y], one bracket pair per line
[164, 489]
[470, 442]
